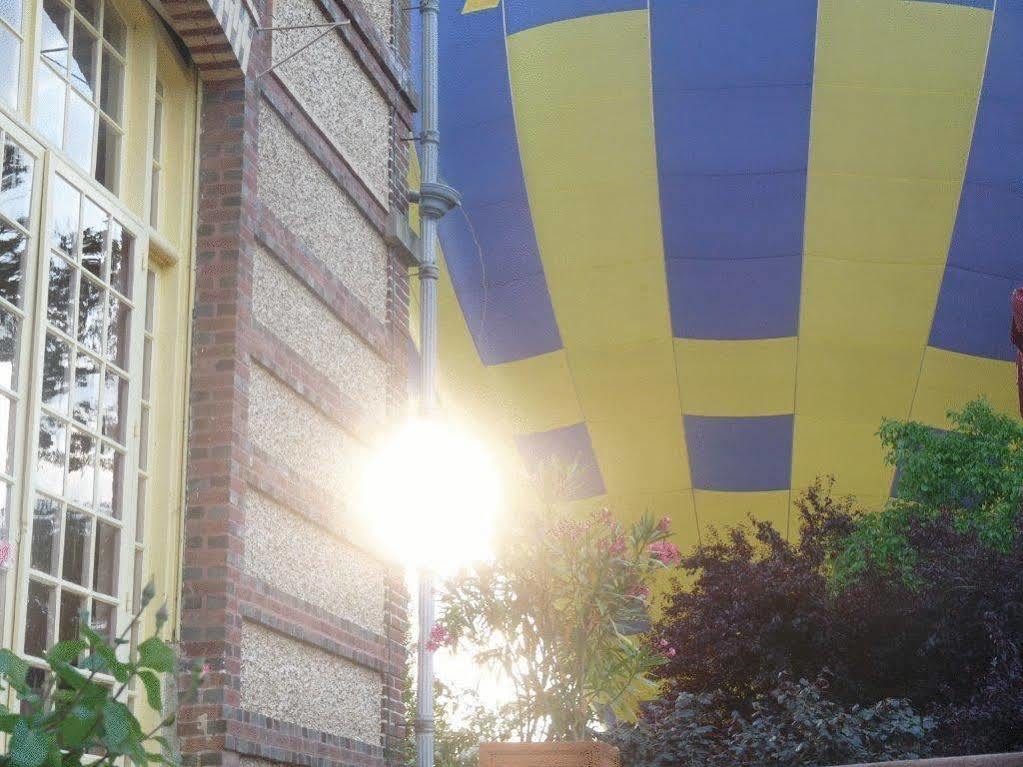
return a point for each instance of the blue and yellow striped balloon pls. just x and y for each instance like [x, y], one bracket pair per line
[708, 244]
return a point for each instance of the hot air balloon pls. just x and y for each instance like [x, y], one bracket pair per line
[705, 246]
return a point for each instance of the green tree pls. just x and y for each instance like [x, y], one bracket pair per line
[974, 472]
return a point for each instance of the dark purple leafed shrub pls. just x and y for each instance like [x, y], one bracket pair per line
[948, 640]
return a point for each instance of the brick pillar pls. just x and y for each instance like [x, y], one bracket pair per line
[218, 406]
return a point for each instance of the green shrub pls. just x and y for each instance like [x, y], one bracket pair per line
[79, 716]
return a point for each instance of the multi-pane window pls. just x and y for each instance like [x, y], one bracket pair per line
[80, 84]
[11, 12]
[16, 240]
[154, 200]
[145, 434]
[79, 512]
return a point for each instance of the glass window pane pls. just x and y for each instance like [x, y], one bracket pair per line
[117, 332]
[108, 155]
[58, 294]
[154, 199]
[39, 618]
[81, 122]
[89, 9]
[147, 365]
[83, 60]
[104, 571]
[77, 537]
[10, 64]
[85, 406]
[10, 11]
[71, 606]
[51, 454]
[158, 128]
[16, 186]
[122, 246]
[8, 349]
[150, 299]
[7, 426]
[12, 262]
[56, 373]
[67, 202]
[115, 404]
[52, 94]
[56, 40]
[95, 224]
[144, 439]
[140, 512]
[104, 620]
[81, 472]
[113, 28]
[110, 484]
[91, 306]
[45, 535]
[111, 91]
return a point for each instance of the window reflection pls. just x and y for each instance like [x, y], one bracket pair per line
[12, 262]
[45, 535]
[75, 54]
[16, 185]
[83, 60]
[8, 350]
[56, 373]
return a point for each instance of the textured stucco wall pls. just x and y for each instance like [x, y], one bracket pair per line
[333, 575]
[296, 188]
[328, 81]
[283, 305]
[381, 10]
[299, 437]
[295, 682]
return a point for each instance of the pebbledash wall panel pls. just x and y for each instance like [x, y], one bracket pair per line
[300, 347]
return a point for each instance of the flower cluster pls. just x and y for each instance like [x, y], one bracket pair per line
[668, 553]
[439, 637]
[666, 649]
[640, 591]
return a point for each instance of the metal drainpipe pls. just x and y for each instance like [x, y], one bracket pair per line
[435, 200]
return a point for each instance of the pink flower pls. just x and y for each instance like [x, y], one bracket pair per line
[616, 546]
[663, 643]
[667, 553]
[439, 637]
[206, 668]
[639, 591]
[670, 652]
[664, 525]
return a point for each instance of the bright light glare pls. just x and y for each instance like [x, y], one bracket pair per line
[430, 496]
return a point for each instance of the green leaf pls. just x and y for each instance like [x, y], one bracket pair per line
[68, 674]
[76, 726]
[8, 721]
[14, 668]
[152, 684]
[66, 651]
[117, 724]
[155, 654]
[29, 748]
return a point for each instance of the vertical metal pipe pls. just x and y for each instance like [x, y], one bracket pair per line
[428, 273]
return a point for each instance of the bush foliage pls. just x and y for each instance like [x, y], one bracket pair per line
[921, 602]
[796, 723]
[79, 715]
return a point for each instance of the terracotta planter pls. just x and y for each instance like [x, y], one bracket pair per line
[548, 755]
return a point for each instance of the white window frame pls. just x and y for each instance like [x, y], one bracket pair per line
[52, 165]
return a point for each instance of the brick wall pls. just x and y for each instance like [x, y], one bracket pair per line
[223, 598]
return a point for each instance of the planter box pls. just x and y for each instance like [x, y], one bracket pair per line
[548, 755]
